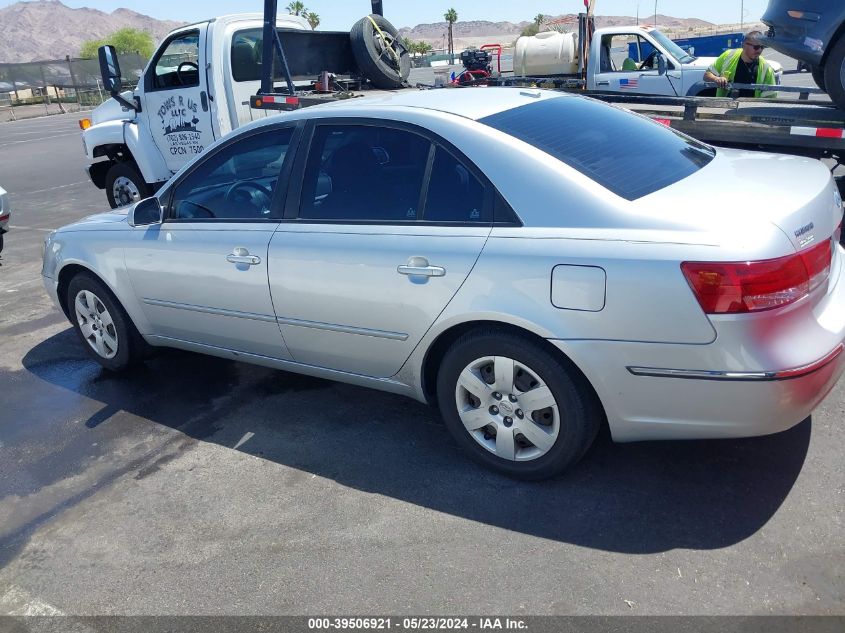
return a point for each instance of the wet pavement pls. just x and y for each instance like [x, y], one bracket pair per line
[194, 485]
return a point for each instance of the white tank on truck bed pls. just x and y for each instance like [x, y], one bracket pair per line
[547, 53]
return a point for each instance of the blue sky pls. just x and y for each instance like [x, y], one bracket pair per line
[341, 14]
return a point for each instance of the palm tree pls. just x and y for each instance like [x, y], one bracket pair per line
[313, 19]
[296, 8]
[538, 20]
[451, 16]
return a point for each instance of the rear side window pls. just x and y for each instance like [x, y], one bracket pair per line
[364, 173]
[454, 194]
[627, 154]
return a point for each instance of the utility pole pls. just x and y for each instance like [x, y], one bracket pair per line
[655, 13]
[741, 15]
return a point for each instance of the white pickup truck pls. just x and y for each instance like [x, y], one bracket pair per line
[659, 67]
[195, 89]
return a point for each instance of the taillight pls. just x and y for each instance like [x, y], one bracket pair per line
[736, 287]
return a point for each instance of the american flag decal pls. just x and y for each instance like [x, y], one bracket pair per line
[629, 84]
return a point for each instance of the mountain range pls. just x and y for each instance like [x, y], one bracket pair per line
[47, 29]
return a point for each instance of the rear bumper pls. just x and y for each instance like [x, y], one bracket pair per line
[661, 407]
[759, 376]
[806, 40]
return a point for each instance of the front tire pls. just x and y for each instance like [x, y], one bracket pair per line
[102, 324]
[125, 185]
[818, 75]
[514, 407]
[834, 73]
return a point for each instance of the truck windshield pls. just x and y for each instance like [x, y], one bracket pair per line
[628, 154]
[670, 47]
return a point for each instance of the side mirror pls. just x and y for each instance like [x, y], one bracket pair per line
[661, 64]
[147, 211]
[109, 68]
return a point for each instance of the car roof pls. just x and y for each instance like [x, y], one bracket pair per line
[470, 103]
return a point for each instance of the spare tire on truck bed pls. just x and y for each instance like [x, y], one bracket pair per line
[379, 52]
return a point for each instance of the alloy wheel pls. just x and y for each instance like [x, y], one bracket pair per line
[96, 324]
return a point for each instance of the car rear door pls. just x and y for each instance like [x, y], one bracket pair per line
[369, 255]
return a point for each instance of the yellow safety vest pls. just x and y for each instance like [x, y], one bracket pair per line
[726, 65]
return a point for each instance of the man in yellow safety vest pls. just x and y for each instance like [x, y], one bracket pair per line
[742, 66]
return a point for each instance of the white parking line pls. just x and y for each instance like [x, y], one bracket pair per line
[26, 193]
[28, 228]
[32, 140]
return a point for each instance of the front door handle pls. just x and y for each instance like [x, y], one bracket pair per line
[420, 266]
[602, 83]
[241, 256]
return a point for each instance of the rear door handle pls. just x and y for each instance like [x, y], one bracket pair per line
[419, 266]
[204, 101]
[241, 256]
[602, 83]
[426, 271]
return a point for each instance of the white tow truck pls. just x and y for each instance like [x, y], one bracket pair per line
[195, 89]
[198, 84]
[651, 64]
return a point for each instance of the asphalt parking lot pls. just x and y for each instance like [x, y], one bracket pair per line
[195, 485]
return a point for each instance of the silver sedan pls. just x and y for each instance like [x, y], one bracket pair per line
[536, 264]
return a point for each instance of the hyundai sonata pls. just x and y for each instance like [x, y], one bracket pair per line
[532, 262]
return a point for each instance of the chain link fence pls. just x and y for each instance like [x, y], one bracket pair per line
[56, 86]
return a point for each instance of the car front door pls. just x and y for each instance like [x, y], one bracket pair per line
[371, 254]
[176, 98]
[201, 275]
[635, 74]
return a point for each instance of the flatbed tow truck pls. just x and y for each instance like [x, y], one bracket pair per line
[788, 125]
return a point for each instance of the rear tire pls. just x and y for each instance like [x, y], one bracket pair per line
[514, 407]
[125, 185]
[818, 75]
[102, 325]
[377, 63]
[834, 73]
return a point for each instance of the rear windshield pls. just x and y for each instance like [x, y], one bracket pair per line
[630, 155]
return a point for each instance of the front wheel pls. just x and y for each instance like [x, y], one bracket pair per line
[102, 324]
[125, 185]
[818, 75]
[514, 407]
[834, 73]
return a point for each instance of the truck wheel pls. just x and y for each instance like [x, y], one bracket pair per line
[818, 75]
[834, 73]
[124, 185]
[376, 53]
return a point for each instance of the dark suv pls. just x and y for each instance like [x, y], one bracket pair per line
[813, 32]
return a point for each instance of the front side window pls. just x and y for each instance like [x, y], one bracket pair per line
[236, 183]
[178, 64]
[626, 153]
[362, 172]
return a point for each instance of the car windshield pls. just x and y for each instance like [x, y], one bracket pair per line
[670, 47]
[628, 154]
